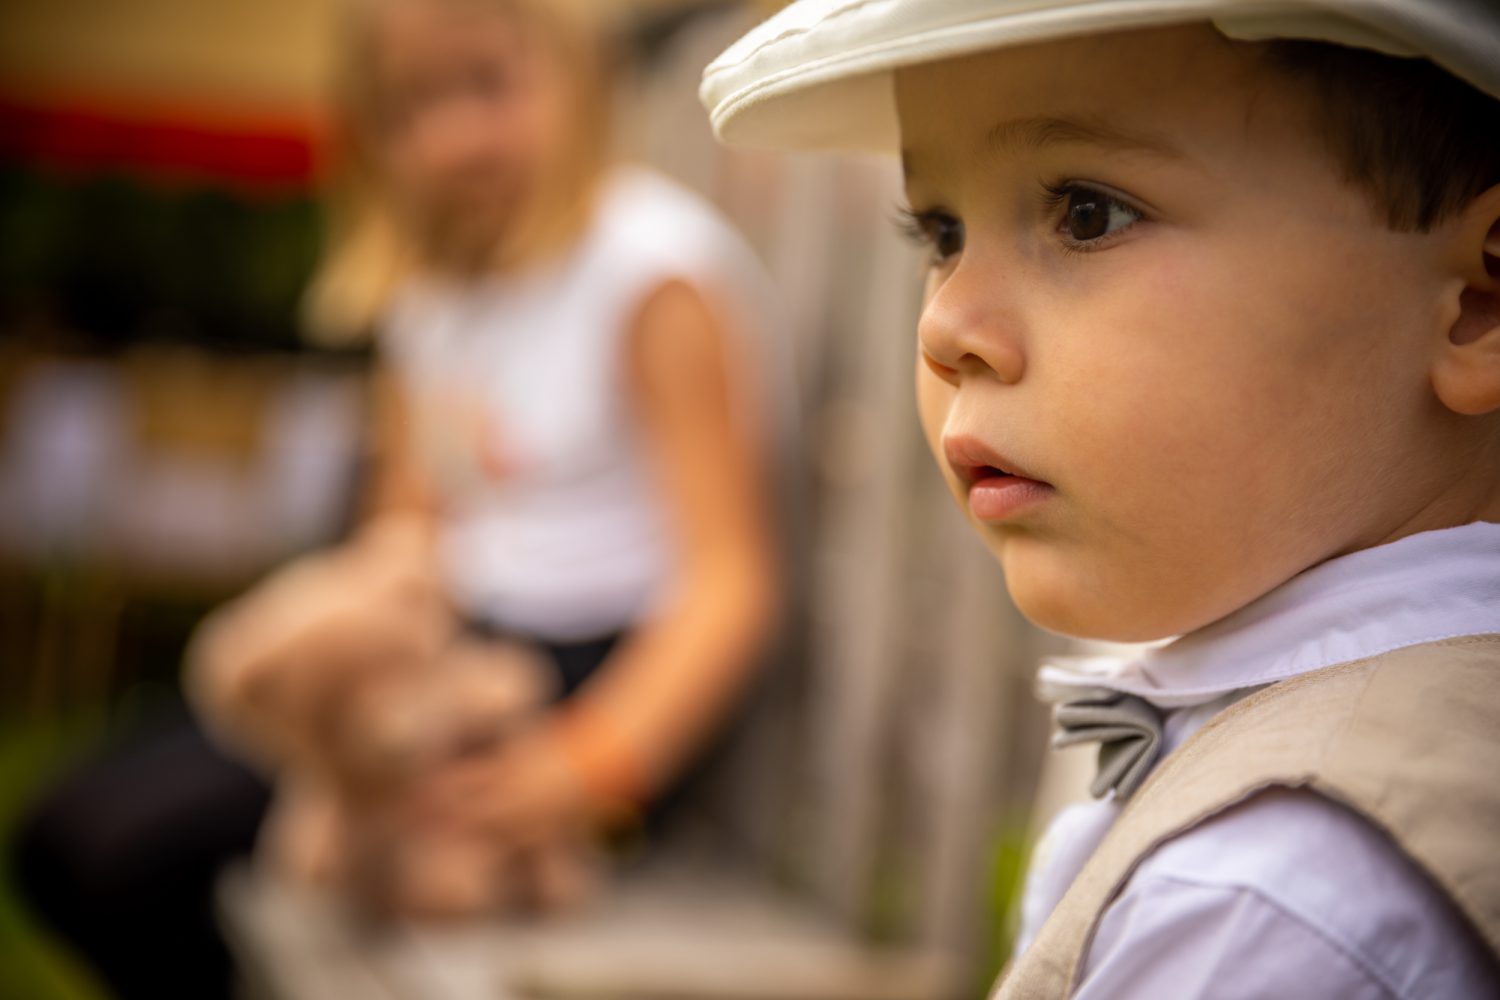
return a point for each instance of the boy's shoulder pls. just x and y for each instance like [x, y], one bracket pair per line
[1289, 889]
[1405, 738]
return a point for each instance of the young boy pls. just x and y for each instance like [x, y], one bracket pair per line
[1211, 349]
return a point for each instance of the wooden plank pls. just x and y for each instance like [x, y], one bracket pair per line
[700, 936]
[298, 946]
[660, 937]
[984, 643]
[859, 590]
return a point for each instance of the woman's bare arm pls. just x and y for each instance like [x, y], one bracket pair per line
[668, 686]
[671, 683]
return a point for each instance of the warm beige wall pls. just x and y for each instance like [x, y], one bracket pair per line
[260, 52]
[265, 53]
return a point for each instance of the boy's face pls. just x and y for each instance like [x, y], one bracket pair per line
[1154, 296]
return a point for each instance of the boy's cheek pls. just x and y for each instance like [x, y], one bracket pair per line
[934, 399]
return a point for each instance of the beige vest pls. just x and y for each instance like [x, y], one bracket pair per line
[1409, 739]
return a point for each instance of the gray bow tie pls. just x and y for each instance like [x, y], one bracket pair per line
[1127, 729]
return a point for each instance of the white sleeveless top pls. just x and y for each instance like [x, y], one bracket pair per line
[550, 518]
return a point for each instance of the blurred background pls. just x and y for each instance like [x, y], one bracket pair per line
[167, 436]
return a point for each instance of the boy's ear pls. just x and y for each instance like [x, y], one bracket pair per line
[1466, 375]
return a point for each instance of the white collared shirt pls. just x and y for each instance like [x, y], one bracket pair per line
[1289, 894]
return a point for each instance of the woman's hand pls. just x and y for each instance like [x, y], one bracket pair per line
[265, 668]
[525, 790]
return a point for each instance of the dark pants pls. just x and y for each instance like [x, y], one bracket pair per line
[121, 856]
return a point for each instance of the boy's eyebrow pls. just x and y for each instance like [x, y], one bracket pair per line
[1037, 132]
[1032, 133]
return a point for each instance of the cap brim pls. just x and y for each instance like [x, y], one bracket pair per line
[819, 75]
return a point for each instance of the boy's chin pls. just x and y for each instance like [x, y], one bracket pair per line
[1078, 603]
[1077, 622]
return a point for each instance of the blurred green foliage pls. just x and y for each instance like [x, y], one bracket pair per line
[31, 750]
[117, 259]
[1010, 856]
[104, 261]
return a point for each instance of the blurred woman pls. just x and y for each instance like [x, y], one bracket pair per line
[571, 427]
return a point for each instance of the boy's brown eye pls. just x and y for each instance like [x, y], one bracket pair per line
[946, 235]
[1089, 215]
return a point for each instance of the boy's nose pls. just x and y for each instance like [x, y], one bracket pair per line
[965, 330]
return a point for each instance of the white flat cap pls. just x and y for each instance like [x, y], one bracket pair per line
[818, 74]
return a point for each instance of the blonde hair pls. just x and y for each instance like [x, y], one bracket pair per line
[369, 250]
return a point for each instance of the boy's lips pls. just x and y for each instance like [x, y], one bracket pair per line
[972, 460]
[998, 487]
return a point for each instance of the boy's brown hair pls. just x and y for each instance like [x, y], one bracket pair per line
[1421, 141]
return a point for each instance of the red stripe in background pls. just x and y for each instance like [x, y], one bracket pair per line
[89, 137]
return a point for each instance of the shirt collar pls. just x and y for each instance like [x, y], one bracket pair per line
[1423, 588]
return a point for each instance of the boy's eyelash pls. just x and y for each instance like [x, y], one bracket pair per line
[912, 224]
[934, 230]
[1056, 195]
[919, 226]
